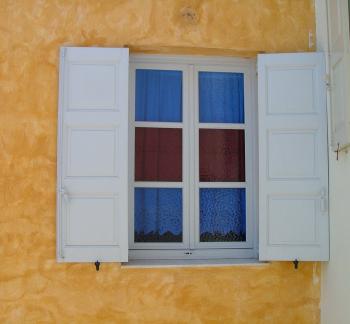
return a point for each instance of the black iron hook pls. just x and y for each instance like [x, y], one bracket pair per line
[296, 264]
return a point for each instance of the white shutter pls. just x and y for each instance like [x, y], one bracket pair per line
[293, 162]
[92, 207]
[339, 45]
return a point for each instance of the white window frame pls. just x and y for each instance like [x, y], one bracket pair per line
[191, 248]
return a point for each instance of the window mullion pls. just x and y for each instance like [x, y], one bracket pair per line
[192, 154]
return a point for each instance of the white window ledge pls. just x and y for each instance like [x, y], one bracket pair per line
[192, 263]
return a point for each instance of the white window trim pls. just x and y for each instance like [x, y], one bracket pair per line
[190, 65]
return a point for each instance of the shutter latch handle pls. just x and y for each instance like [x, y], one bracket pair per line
[64, 194]
[323, 200]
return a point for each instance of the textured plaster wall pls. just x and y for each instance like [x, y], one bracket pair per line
[33, 287]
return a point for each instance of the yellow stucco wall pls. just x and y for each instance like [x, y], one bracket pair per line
[33, 287]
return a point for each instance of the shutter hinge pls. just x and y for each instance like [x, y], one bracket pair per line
[327, 81]
[63, 52]
[61, 253]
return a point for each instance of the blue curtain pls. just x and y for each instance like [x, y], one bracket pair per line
[221, 97]
[158, 95]
[158, 210]
[222, 210]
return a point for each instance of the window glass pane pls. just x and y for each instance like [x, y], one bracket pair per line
[158, 95]
[222, 215]
[158, 215]
[158, 154]
[221, 97]
[221, 155]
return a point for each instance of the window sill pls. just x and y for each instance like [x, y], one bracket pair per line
[192, 263]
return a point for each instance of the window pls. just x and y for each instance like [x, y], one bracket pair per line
[166, 166]
[192, 158]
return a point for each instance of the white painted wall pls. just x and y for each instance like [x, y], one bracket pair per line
[335, 289]
[335, 296]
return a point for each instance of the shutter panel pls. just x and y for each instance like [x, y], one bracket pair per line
[293, 162]
[92, 198]
[339, 46]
